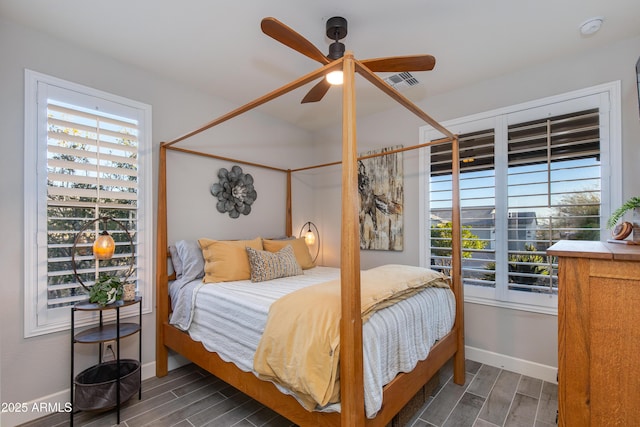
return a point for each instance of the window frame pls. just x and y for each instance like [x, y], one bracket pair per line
[38, 318]
[607, 98]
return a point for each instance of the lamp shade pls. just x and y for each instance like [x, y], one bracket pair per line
[104, 246]
[309, 238]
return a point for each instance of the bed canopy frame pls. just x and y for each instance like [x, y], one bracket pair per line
[401, 389]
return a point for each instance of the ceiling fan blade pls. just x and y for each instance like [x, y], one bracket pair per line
[401, 63]
[317, 92]
[287, 36]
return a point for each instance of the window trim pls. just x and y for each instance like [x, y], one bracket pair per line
[39, 320]
[611, 177]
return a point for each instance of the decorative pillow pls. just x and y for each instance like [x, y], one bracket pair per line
[227, 260]
[176, 261]
[191, 260]
[267, 265]
[300, 250]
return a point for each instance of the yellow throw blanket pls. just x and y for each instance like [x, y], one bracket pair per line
[300, 346]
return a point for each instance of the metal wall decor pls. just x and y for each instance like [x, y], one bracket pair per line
[235, 192]
[381, 188]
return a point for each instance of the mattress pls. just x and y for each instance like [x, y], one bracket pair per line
[228, 318]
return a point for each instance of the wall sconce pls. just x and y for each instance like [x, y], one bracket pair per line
[310, 238]
[103, 247]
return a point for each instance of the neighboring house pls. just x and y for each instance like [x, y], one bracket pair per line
[522, 230]
[480, 219]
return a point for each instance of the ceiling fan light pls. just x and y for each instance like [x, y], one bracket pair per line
[335, 77]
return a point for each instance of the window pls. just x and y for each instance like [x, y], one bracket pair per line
[87, 155]
[530, 175]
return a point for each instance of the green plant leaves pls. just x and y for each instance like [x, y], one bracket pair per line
[630, 204]
[106, 290]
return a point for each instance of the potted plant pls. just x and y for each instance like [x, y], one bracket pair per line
[106, 290]
[633, 204]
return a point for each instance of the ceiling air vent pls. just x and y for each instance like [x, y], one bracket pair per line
[401, 80]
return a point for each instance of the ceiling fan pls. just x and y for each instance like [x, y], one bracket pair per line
[336, 30]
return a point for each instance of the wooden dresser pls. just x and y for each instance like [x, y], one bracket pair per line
[598, 333]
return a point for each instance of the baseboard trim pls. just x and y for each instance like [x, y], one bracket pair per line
[520, 366]
[56, 402]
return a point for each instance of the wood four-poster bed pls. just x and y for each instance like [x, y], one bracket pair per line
[404, 386]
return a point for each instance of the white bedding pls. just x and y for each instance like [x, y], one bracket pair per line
[228, 318]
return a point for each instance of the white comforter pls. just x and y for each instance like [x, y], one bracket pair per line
[228, 318]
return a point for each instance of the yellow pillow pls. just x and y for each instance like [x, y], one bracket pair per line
[227, 260]
[300, 250]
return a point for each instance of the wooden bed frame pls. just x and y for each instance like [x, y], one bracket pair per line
[401, 389]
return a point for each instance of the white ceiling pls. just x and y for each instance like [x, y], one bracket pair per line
[218, 45]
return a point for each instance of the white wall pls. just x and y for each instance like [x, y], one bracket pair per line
[37, 369]
[34, 368]
[514, 334]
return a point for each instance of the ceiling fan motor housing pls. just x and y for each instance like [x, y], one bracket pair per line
[336, 30]
[336, 50]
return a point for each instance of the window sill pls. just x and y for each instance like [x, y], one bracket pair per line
[514, 306]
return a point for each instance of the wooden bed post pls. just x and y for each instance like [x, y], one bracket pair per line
[351, 365]
[456, 262]
[288, 223]
[162, 302]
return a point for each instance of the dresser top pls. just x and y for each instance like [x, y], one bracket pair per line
[600, 250]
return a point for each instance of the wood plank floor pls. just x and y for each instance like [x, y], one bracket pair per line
[190, 397]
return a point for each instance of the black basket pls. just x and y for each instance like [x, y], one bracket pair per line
[96, 387]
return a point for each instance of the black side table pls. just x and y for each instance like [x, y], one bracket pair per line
[107, 384]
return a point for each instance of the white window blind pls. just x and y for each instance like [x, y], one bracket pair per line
[477, 202]
[92, 163]
[553, 193]
[87, 156]
[530, 175]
